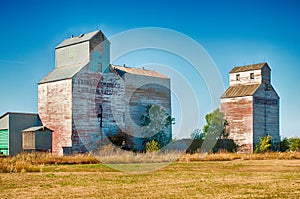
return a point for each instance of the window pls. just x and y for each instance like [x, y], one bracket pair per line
[251, 75]
[238, 77]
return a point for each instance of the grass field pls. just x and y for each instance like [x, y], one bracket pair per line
[237, 178]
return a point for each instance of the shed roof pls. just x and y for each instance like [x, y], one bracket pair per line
[64, 72]
[81, 38]
[36, 128]
[137, 71]
[15, 113]
[240, 91]
[249, 67]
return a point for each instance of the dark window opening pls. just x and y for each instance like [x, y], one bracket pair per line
[251, 75]
[238, 77]
[100, 114]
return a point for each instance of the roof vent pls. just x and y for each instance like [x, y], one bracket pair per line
[81, 35]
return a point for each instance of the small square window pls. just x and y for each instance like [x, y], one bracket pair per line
[238, 77]
[251, 75]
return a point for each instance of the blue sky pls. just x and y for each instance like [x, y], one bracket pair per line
[233, 32]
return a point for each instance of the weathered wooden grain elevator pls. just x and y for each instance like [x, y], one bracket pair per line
[251, 106]
[85, 97]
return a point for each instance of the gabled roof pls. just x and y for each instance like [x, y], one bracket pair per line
[81, 38]
[240, 91]
[64, 72]
[249, 67]
[36, 128]
[121, 70]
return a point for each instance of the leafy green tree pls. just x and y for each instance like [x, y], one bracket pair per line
[155, 122]
[294, 144]
[197, 134]
[215, 126]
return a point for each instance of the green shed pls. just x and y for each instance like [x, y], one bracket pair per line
[4, 142]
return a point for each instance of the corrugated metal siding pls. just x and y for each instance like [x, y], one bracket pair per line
[4, 142]
[17, 123]
[43, 140]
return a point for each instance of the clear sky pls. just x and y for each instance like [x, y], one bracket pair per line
[233, 32]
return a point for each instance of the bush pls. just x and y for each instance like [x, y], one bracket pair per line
[294, 144]
[152, 146]
[284, 145]
[264, 144]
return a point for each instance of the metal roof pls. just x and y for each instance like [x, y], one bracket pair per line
[81, 38]
[15, 113]
[249, 67]
[137, 71]
[240, 91]
[36, 128]
[64, 72]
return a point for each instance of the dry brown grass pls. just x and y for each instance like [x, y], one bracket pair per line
[224, 156]
[202, 179]
[110, 154]
[35, 162]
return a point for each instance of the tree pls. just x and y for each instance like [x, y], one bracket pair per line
[155, 122]
[215, 126]
[197, 134]
[294, 144]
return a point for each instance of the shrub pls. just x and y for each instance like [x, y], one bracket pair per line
[294, 144]
[264, 144]
[152, 146]
[284, 145]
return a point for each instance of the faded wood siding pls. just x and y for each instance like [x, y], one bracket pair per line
[85, 125]
[238, 112]
[245, 78]
[140, 92]
[266, 114]
[28, 140]
[90, 91]
[55, 111]
[112, 90]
